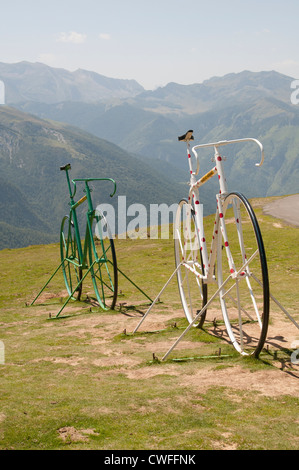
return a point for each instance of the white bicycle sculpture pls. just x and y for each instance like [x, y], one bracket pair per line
[236, 261]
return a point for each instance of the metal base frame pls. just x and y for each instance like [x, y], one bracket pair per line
[202, 311]
[80, 282]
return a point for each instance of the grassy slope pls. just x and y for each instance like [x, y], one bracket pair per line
[82, 378]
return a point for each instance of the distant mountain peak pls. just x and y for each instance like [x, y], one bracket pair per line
[26, 81]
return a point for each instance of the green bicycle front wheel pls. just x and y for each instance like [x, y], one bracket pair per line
[71, 268]
[102, 257]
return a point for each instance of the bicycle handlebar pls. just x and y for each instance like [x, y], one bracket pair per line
[226, 142]
[93, 179]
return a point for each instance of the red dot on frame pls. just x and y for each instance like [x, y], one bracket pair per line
[232, 271]
[226, 243]
[221, 215]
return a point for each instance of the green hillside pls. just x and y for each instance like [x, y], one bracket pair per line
[34, 197]
[19, 224]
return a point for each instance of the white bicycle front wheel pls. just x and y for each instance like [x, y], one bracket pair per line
[241, 262]
[193, 291]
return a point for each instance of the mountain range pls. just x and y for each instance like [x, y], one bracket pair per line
[142, 126]
[38, 82]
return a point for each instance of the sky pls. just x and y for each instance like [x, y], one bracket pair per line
[153, 41]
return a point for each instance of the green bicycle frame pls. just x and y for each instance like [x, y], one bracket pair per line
[90, 213]
[81, 262]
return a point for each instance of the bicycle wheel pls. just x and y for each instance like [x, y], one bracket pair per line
[72, 271]
[241, 257]
[193, 291]
[103, 261]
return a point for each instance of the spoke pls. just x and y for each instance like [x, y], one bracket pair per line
[254, 302]
[236, 303]
[240, 316]
[189, 294]
[246, 263]
[180, 242]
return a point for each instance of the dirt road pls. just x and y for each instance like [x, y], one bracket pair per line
[286, 208]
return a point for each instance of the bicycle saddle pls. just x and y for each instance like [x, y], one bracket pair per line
[66, 167]
[186, 137]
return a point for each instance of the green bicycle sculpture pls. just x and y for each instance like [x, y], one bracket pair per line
[95, 257]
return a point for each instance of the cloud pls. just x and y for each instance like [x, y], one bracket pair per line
[105, 36]
[72, 37]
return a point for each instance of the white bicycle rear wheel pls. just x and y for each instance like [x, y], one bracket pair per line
[193, 291]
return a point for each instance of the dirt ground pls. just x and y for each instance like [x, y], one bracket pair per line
[282, 379]
[282, 333]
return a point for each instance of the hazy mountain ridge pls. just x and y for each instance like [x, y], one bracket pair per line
[234, 106]
[217, 92]
[37, 82]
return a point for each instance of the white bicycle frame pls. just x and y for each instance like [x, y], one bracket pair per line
[208, 260]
